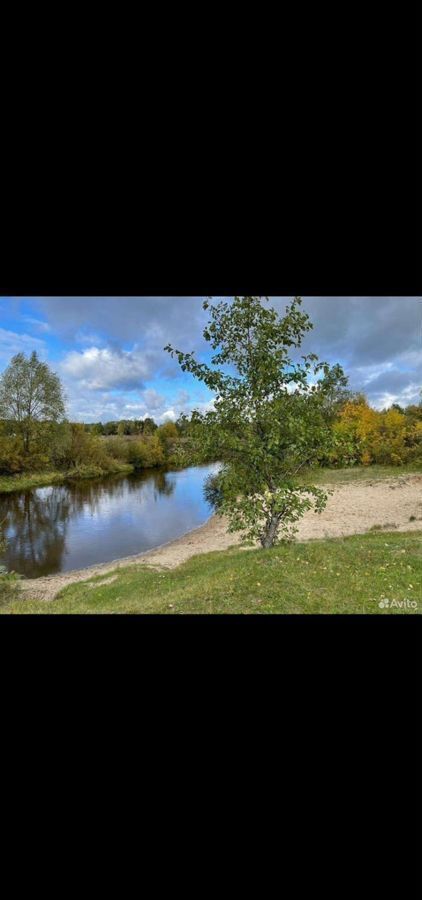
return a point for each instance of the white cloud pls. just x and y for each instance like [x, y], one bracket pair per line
[406, 397]
[87, 405]
[153, 400]
[38, 324]
[367, 374]
[169, 415]
[120, 344]
[11, 343]
[104, 368]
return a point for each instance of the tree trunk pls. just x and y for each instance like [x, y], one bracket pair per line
[270, 533]
[25, 436]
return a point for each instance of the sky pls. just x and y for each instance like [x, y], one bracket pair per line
[108, 351]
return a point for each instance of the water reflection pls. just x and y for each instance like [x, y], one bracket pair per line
[71, 526]
[35, 530]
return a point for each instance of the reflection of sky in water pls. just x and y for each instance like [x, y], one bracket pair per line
[53, 529]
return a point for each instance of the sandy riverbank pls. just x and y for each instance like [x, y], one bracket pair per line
[351, 509]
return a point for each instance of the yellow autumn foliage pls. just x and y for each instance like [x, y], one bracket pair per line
[364, 435]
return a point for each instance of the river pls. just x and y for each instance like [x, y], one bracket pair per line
[78, 524]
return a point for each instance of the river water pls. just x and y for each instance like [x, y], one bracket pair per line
[63, 527]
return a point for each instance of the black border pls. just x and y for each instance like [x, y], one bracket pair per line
[239, 252]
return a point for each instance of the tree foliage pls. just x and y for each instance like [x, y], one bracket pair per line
[355, 434]
[30, 393]
[363, 435]
[270, 415]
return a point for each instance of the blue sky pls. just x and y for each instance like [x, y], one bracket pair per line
[109, 351]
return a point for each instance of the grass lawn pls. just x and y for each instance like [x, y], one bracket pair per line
[342, 575]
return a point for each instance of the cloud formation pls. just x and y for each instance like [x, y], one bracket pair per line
[109, 350]
[377, 340]
[105, 368]
[11, 343]
[146, 321]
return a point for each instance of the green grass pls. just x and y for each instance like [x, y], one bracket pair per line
[342, 575]
[10, 483]
[360, 473]
[9, 589]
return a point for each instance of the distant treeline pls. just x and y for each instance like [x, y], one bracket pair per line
[361, 436]
[89, 450]
[36, 437]
[123, 427]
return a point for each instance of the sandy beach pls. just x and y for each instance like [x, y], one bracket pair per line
[351, 509]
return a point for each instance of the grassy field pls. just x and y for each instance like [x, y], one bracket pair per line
[10, 483]
[360, 473]
[345, 575]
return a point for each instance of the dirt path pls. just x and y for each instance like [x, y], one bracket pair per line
[351, 509]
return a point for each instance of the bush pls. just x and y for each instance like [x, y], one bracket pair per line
[168, 435]
[73, 448]
[12, 460]
[146, 453]
[117, 448]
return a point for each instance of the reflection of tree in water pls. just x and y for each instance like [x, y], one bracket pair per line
[36, 531]
[36, 521]
[89, 494]
[162, 484]
[158, 479]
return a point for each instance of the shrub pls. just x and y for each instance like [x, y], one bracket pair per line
[74, 448]
[168, 435]
[146, 453]
[12, 460]
[117, 448]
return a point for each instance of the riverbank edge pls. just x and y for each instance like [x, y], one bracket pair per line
[213, 536]
[12, 483]
[326, 476]
[47, 587]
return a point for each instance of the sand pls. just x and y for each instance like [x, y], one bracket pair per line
[351, 509]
